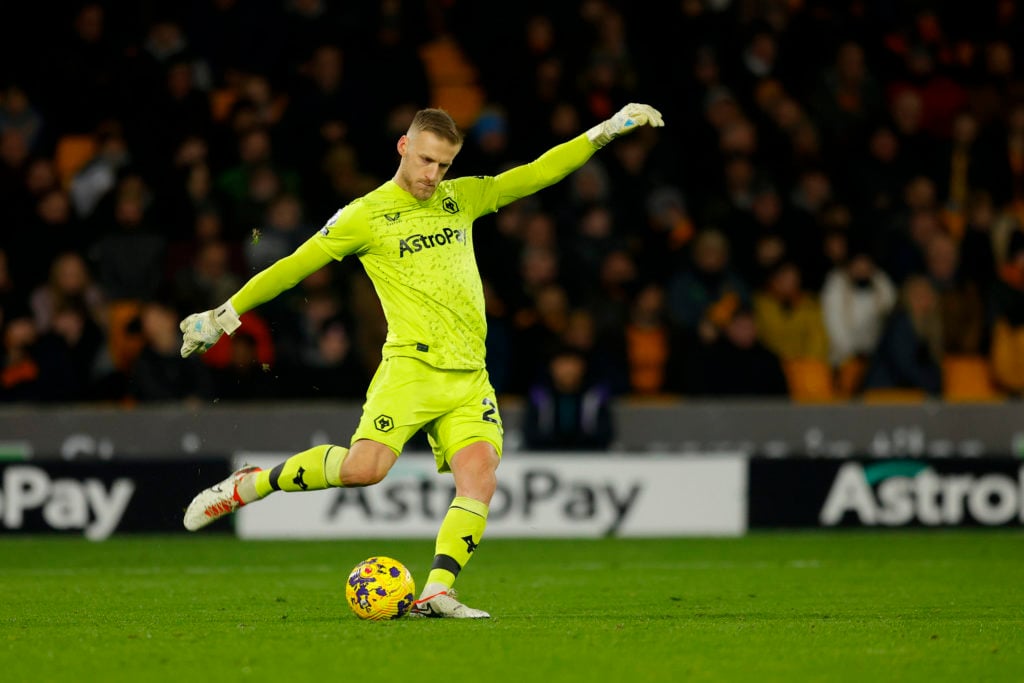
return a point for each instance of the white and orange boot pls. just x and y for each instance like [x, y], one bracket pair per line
[218, 501]
[444, 605]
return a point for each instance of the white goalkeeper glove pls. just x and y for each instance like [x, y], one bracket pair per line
[624, 121]
[202, 330]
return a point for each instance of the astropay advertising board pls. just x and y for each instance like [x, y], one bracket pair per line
[538, 495]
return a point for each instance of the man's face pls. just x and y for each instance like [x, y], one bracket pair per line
[425, 160]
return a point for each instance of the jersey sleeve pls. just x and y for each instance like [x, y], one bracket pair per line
[346, 232]
[282, 275]
[548, 169]
[487, 194]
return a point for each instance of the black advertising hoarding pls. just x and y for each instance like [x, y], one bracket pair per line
[98, 499]
[869, 493]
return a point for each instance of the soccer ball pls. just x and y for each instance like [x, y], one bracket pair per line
[380, 588]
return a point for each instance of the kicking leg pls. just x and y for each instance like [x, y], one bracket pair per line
[320, 467]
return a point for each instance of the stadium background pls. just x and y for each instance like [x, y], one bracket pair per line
[156, 154]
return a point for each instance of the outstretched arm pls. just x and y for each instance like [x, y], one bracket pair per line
[563, 159]
[202, 330]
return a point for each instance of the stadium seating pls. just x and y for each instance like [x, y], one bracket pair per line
[453, 80]
[968, 377]
[810, 380]
[73, 151]
[890, 396]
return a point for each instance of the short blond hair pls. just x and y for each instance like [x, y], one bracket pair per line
[439, 122]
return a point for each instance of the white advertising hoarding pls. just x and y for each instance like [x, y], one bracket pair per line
[538, 495]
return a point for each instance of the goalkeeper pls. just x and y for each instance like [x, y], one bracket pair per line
[413, 235]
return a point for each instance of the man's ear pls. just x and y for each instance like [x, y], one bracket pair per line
[403, 143]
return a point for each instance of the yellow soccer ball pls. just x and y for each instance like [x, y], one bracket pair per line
[380, 588]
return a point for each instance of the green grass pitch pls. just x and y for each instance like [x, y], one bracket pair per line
[813, 606]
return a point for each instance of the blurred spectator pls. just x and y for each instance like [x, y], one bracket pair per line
[70, 285]
[588, 247]
[966, 164]
[848, 98]
[708, 288]
[759, 237]
[856, 300]
[128, 259]
[877, 177]
[159, 373]
[1009, 185]
[180, 109]
[40, 177]
[499, 338]
[670, 229]
[17, 113]
[964, 317]
[279, 234]
[54, 218]
[539, 268]
[76, 333]
[191, 192]
[330, 370]
[10, 298]
[606, 355]
[14, 162]
[82, 70]
[569, 409]
[977, 253]
[789, 317]
[310, 24]
[939, 97]
[343, 179]
[244, 377]
[99, 175]
[486, 148]
[653, 346]
[34, 367]
[1007, 350]
[906, 114]
[539, 330]
[610, 301]
[209, 281]
[325, 107]
[909, 353]
[206, 228]
[253, 180]
[812, 195]
[732, 362]
[906, 251]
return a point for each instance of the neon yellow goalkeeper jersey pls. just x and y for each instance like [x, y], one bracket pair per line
[420, 256]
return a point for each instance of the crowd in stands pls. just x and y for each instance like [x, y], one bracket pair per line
[834, 207]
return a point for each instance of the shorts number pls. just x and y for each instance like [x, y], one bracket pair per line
[491, 410]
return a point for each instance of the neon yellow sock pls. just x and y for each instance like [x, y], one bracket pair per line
[312, 470]
[457, 539]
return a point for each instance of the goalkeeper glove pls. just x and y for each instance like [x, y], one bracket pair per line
[624, 121]
[202, 330]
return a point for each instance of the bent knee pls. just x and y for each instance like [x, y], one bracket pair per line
[366, 466]
[363, 476]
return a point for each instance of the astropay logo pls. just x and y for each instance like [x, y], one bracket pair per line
[904, 492]
[63, 503]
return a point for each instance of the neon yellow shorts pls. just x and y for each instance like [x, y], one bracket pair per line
[454, 407]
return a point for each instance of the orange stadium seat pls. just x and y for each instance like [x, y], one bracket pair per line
[453, 81]
[810, 380]
[72, 153]
[968, 377]
[124, 346]
[890, 396]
